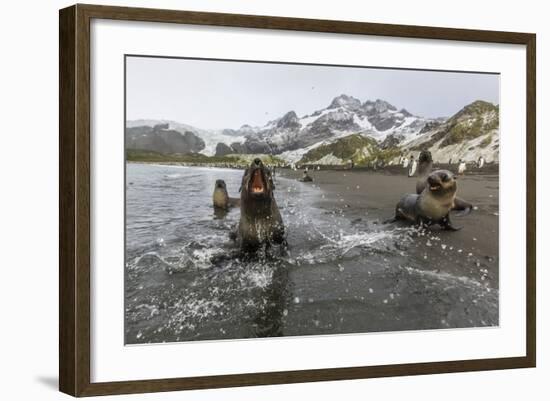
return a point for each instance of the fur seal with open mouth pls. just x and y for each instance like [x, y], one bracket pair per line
[221, 198]
[425, 166]
[261, 222]
[433, 204]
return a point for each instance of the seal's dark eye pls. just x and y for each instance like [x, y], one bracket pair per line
[446, 178]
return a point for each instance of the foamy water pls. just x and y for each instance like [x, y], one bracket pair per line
[185, 279]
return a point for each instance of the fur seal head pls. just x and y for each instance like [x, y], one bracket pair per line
[425, 157]
[441, 183]
[220, 185]
[257, 182]
[440, 186]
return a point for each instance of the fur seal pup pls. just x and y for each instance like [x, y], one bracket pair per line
[433, 204]
[306, 177]
[261, 222]
[221, 198]
[425, 166]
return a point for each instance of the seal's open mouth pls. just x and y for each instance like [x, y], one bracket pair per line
[434, 183]
[257, 182]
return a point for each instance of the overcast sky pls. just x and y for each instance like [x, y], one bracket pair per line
[223, 94]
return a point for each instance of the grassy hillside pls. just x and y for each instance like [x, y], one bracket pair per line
[472, 121]
[362, 150]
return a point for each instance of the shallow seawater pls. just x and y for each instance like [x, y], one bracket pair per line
[185, 280]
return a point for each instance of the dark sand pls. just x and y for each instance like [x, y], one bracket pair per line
[441, 279]
[345, 271]
[372, 196]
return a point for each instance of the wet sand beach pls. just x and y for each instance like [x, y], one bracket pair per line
[361, 195]
[344, 272]
[430, 279]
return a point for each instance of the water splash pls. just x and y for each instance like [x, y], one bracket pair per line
[193, 285]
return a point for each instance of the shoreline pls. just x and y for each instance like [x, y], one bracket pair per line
[488, 169]
[369, 197]
[345, 271]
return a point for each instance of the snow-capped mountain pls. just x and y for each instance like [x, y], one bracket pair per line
[163, 139]
[390, 130]
[343, 116]
[211, 138]
[467, 135]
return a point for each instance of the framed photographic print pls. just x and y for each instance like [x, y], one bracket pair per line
[251, 200]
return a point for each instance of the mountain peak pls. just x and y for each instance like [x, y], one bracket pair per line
[345, 101]
[378, 106]
[289, 120]
[476, 108]
[405, 112]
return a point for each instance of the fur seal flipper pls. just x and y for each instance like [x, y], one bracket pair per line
[461, 205]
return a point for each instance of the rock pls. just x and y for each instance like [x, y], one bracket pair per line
[222, 149]
[160, 138]
[289, 121]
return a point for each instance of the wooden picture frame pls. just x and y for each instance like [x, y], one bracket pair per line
[74, 199]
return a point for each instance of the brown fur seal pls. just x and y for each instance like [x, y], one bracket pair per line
[306, 177]
[433, 204]
[221, 197]
[261, 222]
[425, 166]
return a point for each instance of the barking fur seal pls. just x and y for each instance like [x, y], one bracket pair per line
[221, 198]
[425, 166]
[261, 222]
[433, 204]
